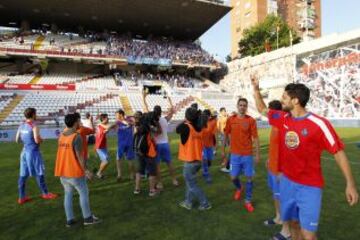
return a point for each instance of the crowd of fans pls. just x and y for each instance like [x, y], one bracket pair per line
[126, 46]
[335, 93]
[184, 52]
[173, 79]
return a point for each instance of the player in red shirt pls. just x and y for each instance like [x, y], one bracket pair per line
[84, 133]
[274, 176]
[242, 130]
[303, 137]
[101, 144]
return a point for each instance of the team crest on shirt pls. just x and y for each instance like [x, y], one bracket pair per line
[304, 132]
[292, 139]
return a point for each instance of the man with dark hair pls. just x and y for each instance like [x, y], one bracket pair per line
[275, 105]
[298, 91]
[101, 143]
[195, 106]
[242, 130]
[209, 141]
[71, 168]
[274, 176]
[221, 123]
[145, 149]
[303, 137]
[84, 132]
[162, 140]
[190, 152]
[31, 161]
[125, 136]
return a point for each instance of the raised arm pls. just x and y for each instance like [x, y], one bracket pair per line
[146, 106]
[108, 127]
[260, 104]
[352, 195]
[172, 110]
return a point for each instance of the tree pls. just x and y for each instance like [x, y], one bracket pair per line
[272, 33]
[228, 58]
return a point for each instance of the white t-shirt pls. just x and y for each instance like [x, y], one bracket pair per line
[163, 137]
[86, 123]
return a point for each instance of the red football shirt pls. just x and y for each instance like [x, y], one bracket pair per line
[100, 139]
[302, 142]
[241, 132]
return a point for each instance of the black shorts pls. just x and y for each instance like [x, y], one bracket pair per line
[146, 165]
[91, 140]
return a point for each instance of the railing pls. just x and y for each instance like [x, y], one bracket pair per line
[63, 54]
[114, 58]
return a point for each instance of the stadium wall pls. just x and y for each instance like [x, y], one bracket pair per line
[329, 66]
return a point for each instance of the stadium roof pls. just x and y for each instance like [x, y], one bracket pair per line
[181, 19]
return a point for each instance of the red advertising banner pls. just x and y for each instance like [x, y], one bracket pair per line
[56, 87]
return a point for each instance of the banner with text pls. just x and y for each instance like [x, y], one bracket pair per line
[56, 87]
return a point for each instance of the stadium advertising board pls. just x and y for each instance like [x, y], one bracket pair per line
[334, 79]
[57, 87]
[149, 61]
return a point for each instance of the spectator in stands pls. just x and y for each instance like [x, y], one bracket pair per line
[162, 140]
[31, 161]
[125, 46]
[71, 168]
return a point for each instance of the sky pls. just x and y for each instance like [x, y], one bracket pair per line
[337, 16]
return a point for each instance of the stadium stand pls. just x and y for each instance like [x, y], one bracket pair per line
[116, 84]
[5, 99]
[121, 46]
[51, 107]
[21, 79]
[328, 65]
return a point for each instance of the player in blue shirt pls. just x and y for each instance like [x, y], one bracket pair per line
[31, 162]
[125, 135]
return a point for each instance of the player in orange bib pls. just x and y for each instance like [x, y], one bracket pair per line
[209, 141]
[190, 152]
[145, 151]
[70, 167]
[84, 133]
